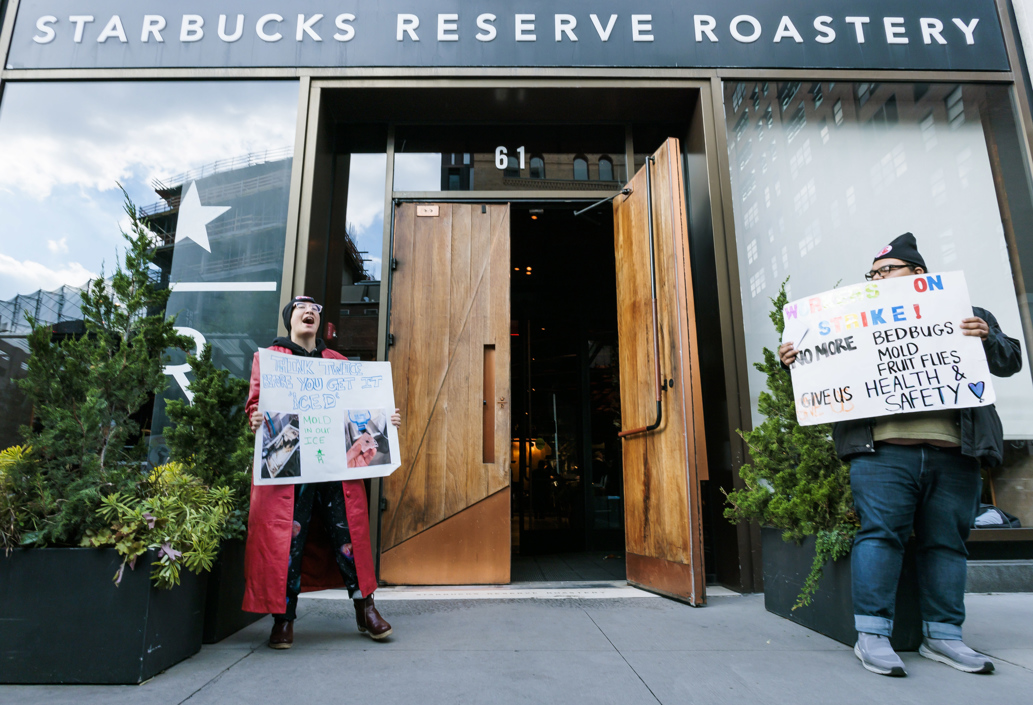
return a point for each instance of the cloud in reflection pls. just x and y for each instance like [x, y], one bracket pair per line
[26, 276]
[63, 147]
[94, 134]
[366, 176]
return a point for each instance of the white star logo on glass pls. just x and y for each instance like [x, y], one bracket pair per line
[194, 218]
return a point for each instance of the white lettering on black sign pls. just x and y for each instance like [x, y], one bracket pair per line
[945, 34]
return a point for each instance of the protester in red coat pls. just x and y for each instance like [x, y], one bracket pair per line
[279, 561]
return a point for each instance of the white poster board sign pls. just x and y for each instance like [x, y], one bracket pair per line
[324, 420]
[891, 346]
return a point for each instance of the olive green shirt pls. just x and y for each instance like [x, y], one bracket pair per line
[944, 425]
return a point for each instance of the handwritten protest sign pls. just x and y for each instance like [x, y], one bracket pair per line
[324, 420]
[891, 346]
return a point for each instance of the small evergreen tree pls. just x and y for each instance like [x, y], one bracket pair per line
[211, 436]
[794, 482]
[85, 391]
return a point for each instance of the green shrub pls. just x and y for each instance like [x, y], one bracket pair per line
[794, 482]
[211, 437]
[86, 445]
[172, 512]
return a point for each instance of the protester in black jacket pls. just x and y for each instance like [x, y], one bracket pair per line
[919, 472]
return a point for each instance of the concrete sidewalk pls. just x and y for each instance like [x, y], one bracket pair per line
[637, 648]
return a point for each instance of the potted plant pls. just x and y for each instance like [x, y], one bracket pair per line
[210, 436]
[799, 491]
[84, 524]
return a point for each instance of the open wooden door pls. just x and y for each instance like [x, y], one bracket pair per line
[447, 519]
[659, 377]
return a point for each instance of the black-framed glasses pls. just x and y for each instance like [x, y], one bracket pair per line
[885, 269]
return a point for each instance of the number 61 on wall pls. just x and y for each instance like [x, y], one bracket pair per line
[502, 157]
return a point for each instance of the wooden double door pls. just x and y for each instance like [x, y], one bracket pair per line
[447, 518]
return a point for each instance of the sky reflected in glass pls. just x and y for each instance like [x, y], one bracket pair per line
[367, 175]
[64, 147]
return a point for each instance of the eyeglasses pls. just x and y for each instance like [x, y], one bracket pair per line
[315, 308]
[884, 270]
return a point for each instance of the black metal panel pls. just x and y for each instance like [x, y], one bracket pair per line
[831, 612]
[222, 613]
[64, 621]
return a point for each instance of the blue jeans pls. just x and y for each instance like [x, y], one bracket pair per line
[933, 491]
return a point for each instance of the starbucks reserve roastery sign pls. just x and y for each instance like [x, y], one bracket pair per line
[885, 347]
[944, 35]
[323, 420]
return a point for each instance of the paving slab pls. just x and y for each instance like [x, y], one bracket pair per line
[428, 678]
[175, 685]
[457, 625]
[725, 624]
[576, 649]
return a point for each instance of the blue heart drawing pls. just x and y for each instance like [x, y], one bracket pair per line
[977, 389]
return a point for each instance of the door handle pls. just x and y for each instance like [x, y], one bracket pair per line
[487, 410]
[658, 389]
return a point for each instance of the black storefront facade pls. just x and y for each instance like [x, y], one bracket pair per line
[311, 144]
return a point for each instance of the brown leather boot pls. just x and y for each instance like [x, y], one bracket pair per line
[282, 636]
[369, 620]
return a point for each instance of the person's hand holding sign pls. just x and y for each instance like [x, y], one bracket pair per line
[787, 353]
[976, 327]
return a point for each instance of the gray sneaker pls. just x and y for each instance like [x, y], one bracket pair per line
[953, 652]
[877, 655]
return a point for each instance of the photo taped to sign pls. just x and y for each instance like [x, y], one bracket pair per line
[279, 439]
[366, 437]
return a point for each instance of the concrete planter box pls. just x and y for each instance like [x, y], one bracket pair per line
[831, 612]
[222, 613]
[64, 620]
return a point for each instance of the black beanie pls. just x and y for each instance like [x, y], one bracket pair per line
[290, 307]
[903, 248]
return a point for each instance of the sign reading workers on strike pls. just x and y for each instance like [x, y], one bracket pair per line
[892, 346]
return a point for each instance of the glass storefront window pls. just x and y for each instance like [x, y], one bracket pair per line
[824, 174]
[509, 158]
[359, 312]
[222, 146]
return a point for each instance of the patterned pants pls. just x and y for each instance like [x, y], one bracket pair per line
[326, 498]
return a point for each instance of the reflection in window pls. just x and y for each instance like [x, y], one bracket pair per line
[422, 172]
[886, 114]
[955, 109]
[470, 157]
[537, 168]
[819, 215]
[605, 168]
[173, 146]
[367, 174]
[925, 170]
[580, 168]
[512, 170]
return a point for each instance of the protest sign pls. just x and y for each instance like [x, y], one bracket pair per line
[324, 420]
[890, 346]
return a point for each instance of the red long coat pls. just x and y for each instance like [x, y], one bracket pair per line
[269, 535]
